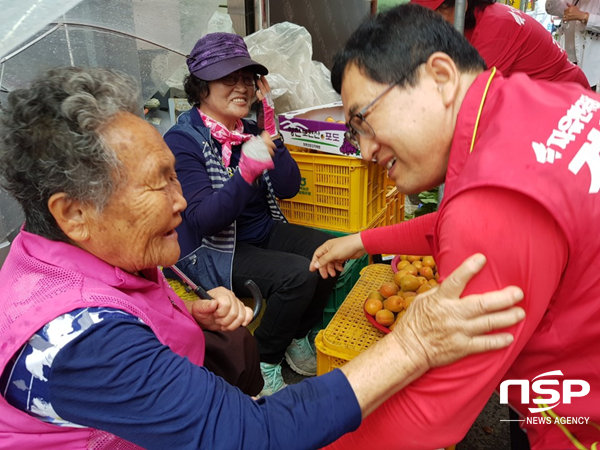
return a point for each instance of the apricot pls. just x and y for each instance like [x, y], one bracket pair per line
[407, 301]
[402, 264]
[412, 258]
[376, 295]
[426, 272]
[385, 317]
[398, 276]
[411, 269]
[388, 289]
[409, 283]
[423, 288]
[408, 294]
[417, 264]
[422, 280]
[428, 261]
[403, 257]
[393, 303]
[373, 305]
[432, 283]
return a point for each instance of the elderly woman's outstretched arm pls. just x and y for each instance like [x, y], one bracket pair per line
[171, 403]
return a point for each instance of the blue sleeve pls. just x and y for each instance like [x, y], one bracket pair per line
[221, 206]
[285, 177]
[117, 377]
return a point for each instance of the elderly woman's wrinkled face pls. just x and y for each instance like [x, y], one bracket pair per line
[136, 229]
[230, 98]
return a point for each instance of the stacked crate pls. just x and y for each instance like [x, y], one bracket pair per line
[337, 193]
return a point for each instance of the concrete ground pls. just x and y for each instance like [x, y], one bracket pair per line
[487, 433]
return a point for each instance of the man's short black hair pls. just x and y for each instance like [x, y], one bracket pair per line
[391, 46]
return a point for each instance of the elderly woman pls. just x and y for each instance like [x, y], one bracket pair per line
[233, 229]
[98, 353]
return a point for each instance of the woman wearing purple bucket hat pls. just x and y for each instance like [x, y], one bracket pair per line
[231, 173]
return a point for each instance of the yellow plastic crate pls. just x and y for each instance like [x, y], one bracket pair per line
[349, 331]
[337, 193]
[394, 206]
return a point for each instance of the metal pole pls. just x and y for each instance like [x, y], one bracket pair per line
[262, 17]
[459, 15]
[237, 10]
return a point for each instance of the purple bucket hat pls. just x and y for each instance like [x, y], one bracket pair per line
[219, 54]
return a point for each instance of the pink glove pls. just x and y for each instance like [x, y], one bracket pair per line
[255, 159]
[269, 114]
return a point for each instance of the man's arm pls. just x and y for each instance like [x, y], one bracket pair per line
[524, 247]
[408, 238]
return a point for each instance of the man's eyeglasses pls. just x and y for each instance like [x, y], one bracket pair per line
[358, 125]
[232, 79]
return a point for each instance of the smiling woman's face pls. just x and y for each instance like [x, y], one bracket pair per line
[227, 104]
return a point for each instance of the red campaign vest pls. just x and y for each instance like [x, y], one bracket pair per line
[42, 280]
[543, 140]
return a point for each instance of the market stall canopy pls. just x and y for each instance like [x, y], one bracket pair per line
[147, 39]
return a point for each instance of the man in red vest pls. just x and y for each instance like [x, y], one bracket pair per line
[521, 163]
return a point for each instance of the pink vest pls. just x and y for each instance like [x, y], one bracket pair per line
[42, 280]
[543, 141]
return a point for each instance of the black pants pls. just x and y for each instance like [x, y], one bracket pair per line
[295, 296]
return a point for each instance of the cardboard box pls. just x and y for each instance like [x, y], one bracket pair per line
[318, 128]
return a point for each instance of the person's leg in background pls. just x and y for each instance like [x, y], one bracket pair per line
[303, 241]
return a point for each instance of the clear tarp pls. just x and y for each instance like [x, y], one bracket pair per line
[22, 19]
[144, 38]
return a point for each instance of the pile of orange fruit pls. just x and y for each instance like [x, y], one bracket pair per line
[415, 275]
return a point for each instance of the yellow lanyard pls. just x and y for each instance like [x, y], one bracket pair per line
[578, 445]
[485, 92]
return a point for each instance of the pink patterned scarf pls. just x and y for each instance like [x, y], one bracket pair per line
[224, 136]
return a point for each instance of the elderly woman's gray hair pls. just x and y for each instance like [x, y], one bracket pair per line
[51, 141]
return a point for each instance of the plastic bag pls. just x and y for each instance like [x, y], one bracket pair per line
[296, 80]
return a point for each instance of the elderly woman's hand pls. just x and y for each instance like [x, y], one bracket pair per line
[440, 327]
[224, 313]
